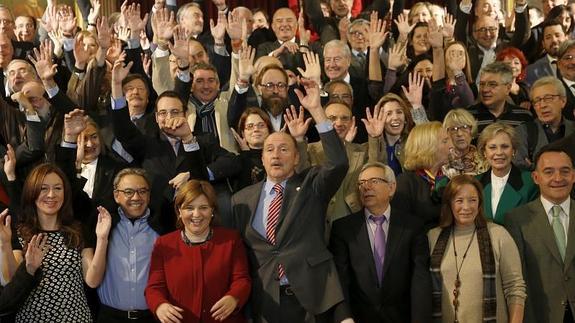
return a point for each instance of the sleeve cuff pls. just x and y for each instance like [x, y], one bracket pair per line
[194, 146]
[66, 144]
[161, 52]
[119, 103]
[324, 126]
[520, 9]
[52, 92]
[133, 43]
[68, 44]
[183, 76]
[221, 50]
[33, 117]
[241, 90]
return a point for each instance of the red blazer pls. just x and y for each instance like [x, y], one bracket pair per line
[194, 278]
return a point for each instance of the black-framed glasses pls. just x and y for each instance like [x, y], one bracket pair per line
[371, 181]
[271, 85]
[464, 127]
[484, 30]
[129, 193]
[545, 99]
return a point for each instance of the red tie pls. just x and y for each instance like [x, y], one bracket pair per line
[273, 219]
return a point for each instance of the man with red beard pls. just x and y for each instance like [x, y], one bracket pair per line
[553, 37]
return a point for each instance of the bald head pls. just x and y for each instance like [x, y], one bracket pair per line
[284, 24]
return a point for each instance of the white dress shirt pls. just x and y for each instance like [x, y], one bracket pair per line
[372, 226]
[497, 188]
[89, 173]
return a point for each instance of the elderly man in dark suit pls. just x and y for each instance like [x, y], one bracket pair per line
[282, 223]
[566, 73]
[382, 256]
[544, 231]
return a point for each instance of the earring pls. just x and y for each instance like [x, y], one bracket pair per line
[212, 215]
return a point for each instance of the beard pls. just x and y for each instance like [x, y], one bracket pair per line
[274, 104]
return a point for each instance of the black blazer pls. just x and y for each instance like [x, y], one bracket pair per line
[405, 294]
[17, 290]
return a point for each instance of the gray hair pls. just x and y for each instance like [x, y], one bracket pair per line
[131, 171]
[388, 173]
[338, 43]
[499, 68]
[328, 86]
[357, 22]
[185, 8]
[549, 80]
[565, 47]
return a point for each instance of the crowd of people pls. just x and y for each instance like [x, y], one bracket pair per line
[325, 162]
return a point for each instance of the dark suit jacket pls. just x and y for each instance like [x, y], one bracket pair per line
[414, 197]
[16, 292]
[549, 279]
[289, 61]
[540, 68]
[300, 245]
[155, 154]
[570, 106]
[518, 190]
[405, 293]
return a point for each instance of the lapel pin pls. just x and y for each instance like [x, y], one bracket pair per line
[297, 189]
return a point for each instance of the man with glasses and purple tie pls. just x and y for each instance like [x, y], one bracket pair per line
[381, 255]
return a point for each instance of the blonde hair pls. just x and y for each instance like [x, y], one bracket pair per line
[460, 117]
[491, 131]
[421, 145]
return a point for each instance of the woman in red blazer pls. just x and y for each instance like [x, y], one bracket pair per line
[198, 273]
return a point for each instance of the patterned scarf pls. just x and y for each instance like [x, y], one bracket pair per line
[429, 177]
[487, 265]
[205, 114]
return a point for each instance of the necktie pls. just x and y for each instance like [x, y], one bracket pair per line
[378, 245]
[273, 219]
[361, 57]
[558, 230]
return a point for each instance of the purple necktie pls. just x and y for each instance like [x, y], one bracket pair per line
[378, 245]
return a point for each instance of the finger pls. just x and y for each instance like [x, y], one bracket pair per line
[368, 113]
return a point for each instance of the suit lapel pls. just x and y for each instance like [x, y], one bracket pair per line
[364, 247]
[570, 252]
[290, 194]
[394, 233]
[252, 203]
[509, 199]
[541, 227]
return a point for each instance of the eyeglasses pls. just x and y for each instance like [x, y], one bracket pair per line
[545, 99]
[340, 96]
[484, 30]
[357, 34]
[490, 84]
[371, 181]
[567, 57]
[454, 130]
[259, 125]
[342, 118]
[172, 113]
[129, 193]
[270, 86]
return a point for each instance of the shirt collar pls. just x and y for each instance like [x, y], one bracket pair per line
[497, 179]
[269, 185]
[386, 213]
[123, 216]
[547, 205]
[292, 40]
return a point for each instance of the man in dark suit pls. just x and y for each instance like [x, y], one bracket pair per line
[544, 231]
[282, 223]
[566, 72]
[553, 37]
[395, 287]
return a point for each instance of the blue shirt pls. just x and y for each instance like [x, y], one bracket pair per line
[128, 263]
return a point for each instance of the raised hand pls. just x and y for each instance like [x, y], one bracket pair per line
[134, 20]
[296, 123]
[81, 55]
[414, 93]
[240, 140]
[290, 46]
[234, 26]
[5, 228]
[312, 67]
[377, 33]
[146, 63]
[435, 34]
[119, 71]
[374, 124]
[311, 101]
[80, 150]
[114, 51]
[74, 124]
[448, 25]
[104, 33]
[397, 56]
[144, 41]
[220, 4]
[57, 39]
[224, 307]
[168, 313]
[246, 63]
[343, 27]
[180, 47]
[351, 132]
[36, 249]
[177, 127]
[163, 22]
[42, 61]
[94, 12]
[219, 31]
[50, 21]
[403, 25]
[179, 180]
[104, 223]
[10, 163]
[67, 21]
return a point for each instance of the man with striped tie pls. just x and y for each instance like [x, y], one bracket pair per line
[282, 222]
